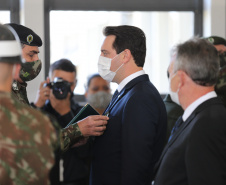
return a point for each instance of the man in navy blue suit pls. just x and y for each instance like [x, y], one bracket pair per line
[133, 141]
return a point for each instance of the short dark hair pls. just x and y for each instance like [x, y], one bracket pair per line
[64, 65]
[96, 75]
[129, 37]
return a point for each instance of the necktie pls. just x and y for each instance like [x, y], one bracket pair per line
[114, 97]
[176, 127]
[115, 94]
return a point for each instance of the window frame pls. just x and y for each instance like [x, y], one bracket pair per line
[195, 6]
[13, 6]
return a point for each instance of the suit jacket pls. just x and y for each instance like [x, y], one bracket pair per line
[133, 141]
[196, 154]
[174, 111]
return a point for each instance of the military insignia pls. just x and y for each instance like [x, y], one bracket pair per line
[211, 40]
[15, 86]
[29, 38]
[26, 74]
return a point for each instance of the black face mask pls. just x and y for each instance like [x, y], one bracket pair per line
[60, 88]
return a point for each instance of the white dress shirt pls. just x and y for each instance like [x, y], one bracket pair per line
[129, 78]
[196, 103]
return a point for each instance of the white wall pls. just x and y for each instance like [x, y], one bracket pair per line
[32, 16]
[214, 18]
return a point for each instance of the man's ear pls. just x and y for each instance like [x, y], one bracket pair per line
[17, 71]
[126, 56]
[182, 78]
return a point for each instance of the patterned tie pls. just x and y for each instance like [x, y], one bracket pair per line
[176, 127]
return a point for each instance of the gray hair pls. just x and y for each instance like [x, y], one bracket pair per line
[199, 60]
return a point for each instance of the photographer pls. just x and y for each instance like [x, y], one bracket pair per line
[55, 97]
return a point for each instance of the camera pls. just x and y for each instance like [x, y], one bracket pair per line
[60, 87]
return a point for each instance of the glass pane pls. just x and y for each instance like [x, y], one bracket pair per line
[77, 35]
[4, 17]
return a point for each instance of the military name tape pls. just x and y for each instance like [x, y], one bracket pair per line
[10, 48]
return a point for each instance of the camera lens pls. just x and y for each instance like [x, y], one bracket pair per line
[61, 90]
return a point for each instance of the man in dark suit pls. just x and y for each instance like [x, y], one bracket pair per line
[127, 152]
[174, 110]
[196, 152]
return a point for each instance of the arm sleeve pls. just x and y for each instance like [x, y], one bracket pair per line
[69, 136]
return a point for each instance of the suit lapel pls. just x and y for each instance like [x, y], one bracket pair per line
[128, 86]
[112, 104]
[184, 125]
[181, 128]
[176, 135]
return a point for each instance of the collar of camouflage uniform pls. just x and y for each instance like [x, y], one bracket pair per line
[16, 86]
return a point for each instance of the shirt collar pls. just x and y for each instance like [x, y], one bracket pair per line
[129, 78]
[196, 103]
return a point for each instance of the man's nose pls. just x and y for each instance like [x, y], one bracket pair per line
[36, 57]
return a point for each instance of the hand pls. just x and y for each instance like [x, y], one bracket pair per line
[81, 142]
[42, 94]
[93, 125]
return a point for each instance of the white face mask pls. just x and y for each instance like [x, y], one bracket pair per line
[174, 95]
[104, 65]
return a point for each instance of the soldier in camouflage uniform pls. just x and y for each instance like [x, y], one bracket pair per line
[30, 42]
[220, 44]
[30, 69]
[27, 138]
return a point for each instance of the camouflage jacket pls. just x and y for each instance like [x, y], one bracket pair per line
[27, 143]
[67, 136]
[20, 92]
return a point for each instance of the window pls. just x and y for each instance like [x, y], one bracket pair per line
[77, 35]
[4, 17]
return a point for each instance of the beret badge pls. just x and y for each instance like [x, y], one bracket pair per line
[29, 38]
[211, 40]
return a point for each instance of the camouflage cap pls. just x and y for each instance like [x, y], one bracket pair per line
[26, 35]
[10, 45]
[215, 40]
